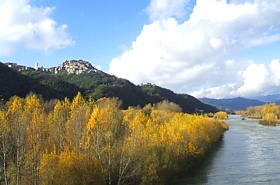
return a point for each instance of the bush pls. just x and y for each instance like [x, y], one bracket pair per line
[221, 115]
[270, 119]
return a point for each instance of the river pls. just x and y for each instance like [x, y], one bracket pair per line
[248, 154]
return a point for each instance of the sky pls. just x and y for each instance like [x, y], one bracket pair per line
[205, 48]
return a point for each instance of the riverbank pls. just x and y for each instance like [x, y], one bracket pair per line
[248, 154]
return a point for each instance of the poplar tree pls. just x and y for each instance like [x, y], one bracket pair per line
[19, 136]
[104, 133]
[34, 118]
[76, 124]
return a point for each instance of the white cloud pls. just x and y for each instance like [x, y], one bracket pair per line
[195, 54]
[22, 24]
[255, 79]
[216, 43]
[219, 11]
[162, 9]
[275, 75]
[222, 91]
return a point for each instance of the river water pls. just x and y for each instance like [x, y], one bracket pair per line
[248, 154]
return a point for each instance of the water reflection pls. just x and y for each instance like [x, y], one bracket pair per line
[200, 174]
[248, 154]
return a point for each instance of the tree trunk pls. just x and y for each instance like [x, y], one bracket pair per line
[4, 162]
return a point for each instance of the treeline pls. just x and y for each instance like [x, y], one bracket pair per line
[268, 113]
[95, 142]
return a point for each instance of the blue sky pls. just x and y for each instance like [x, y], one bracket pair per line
[98, 29]
[206, 48]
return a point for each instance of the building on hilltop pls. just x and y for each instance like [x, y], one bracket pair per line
[76, 67]
[36, 66]
[71, 67]
[17, 67]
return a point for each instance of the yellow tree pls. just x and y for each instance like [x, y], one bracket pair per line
[70, 168]
[34, 117]
[104, 132]
[221, 115]
[76, 124]
[134, 148]
[19, 135]
[168, 106]
[4, 147]
[57, 125]
[270, 108]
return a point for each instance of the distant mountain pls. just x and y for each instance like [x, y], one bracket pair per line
[274, 98]
[74, 76]
[232, 104]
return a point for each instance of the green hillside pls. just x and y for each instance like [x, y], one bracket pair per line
[14, 83]
[92, 85]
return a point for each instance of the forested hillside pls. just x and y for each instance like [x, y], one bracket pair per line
[96, 142]
[93, 85]
[14, 83]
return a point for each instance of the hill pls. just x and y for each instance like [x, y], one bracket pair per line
[67, 79]
[232, 104]
[187, 102]
[15, 83]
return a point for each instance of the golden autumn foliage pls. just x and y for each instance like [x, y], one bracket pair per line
[270, 119]
[87, 142]
[70, 168]
[268, 113]
[221, 115]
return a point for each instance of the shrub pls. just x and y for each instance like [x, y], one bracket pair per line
[270, 119]
[221, 115]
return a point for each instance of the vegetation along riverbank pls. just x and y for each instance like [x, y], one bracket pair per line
[268, 114]
[96, 142]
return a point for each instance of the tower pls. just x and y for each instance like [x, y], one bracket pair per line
[36, 66]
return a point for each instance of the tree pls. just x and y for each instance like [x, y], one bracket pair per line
[104, 133]
[34, 117]
[4, 147]
[18, 134]
[168, 106]
[221, 115]
[270, 108]
[254, 112]
[57, 126]
[70, 168]
[75, 126]
[87, 142]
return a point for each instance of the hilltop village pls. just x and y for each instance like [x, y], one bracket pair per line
[69, 66]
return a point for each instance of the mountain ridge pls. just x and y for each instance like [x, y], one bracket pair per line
[74, 76]
[231, 104]
[273, 98]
